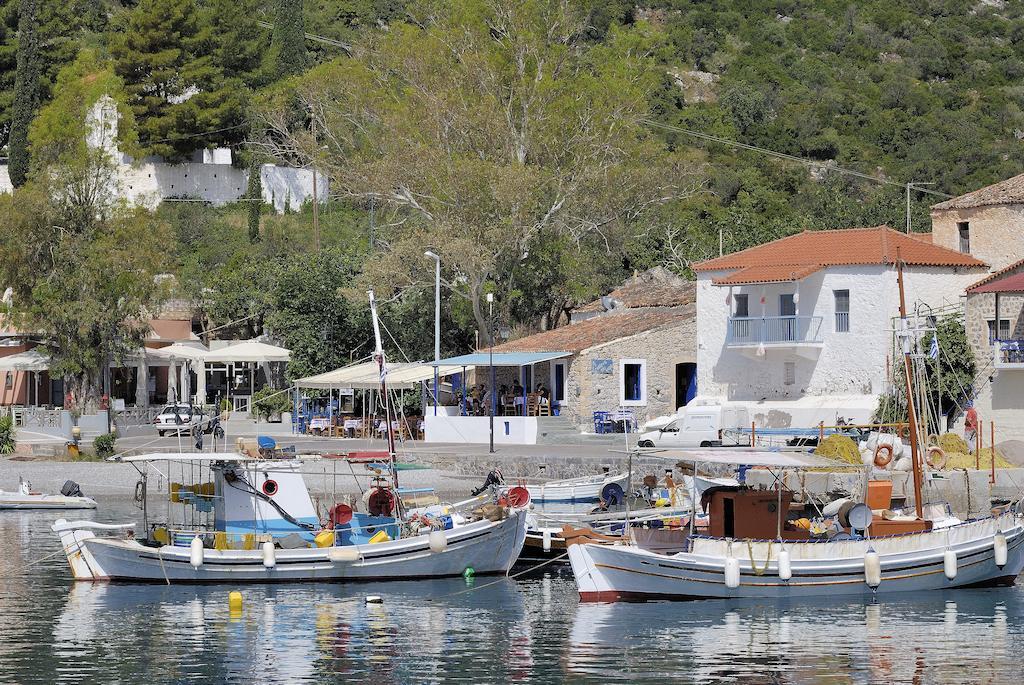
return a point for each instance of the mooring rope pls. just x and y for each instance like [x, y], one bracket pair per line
[495, 582]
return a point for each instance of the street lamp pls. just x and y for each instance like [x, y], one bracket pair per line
[437, 319]
[490, 358]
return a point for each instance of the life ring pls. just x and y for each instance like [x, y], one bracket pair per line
[270, 487]
[938, 461]
[904, 432]
[381, 502]
[883, 455]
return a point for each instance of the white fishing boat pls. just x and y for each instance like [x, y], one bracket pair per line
[249, 517]
[580, 490]
[25, 497]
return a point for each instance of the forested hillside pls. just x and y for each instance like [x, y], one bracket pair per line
[544, 148]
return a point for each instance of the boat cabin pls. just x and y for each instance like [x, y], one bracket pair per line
[737, 512]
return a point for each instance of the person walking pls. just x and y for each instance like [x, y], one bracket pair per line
[971, 426]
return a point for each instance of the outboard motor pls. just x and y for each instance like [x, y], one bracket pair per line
[493, 478]
[71, 489]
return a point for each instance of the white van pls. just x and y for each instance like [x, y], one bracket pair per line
[700, 426]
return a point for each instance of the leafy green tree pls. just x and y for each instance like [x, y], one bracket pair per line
[239, 41]
[26, 91]
[82, 266]
[955, 365]
[481, 131]
[179, 95]
[313, 318]
[288, 48]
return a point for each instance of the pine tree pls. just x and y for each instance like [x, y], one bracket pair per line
[254, 194]
[288, 49]
[26, 92]
[178, 94]
[240, 41]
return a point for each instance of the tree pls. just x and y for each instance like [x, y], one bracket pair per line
[288, 46]
[239, 40]
[313, 319]
[82, 266]
[26, 91]
[955, 365]
[254, 195]
[492, 125]
[180, 98]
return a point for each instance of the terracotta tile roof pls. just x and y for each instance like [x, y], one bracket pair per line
[580, 336]
[778, 273]
[1009, 284]
[657, 287]
[850, 246]
[996, 274]
[1008, 192]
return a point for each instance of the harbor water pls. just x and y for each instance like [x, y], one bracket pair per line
[486, 630]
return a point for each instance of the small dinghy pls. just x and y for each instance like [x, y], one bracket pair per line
[25, 497]
[580, 490]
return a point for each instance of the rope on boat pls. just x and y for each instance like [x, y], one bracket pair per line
[495, 582]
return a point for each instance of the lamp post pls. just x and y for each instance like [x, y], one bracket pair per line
[490, 359]
[437, 320]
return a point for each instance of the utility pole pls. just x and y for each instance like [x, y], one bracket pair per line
[437, 320]
[316, 199]
[911, 185]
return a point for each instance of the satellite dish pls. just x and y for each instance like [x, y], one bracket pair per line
[859, 517]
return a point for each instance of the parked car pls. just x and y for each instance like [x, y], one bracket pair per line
[177, 418]
[699, 426]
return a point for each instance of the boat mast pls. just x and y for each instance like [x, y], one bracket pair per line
[379, 356]
[911, 410]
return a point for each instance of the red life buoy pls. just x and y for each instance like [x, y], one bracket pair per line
[381, 502]
[883, 455]
[936, 458]
[518, 497]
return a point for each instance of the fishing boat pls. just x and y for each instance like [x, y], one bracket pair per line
[652, 514]
[585, 490]
[25, 497]
[753, 548]
[247, 516]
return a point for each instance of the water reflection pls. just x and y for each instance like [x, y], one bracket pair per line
[955, 637]
[530, 630]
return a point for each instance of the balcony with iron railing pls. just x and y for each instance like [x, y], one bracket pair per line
[780, 331]
[1009, 355]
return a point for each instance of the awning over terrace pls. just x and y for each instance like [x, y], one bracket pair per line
[501, 359]
[366, 376]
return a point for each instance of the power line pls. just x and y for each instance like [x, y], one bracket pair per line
[198, 135]
[783, 155]
[315, 38]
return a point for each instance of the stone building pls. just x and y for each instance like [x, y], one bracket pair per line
[994, 319]
[804, 323]
[634, 349]
[987, 223]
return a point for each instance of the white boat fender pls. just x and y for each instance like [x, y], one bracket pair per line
[374, 599]
[949, 564]
[732, 570]
[546, 539]
[438, 541]
[872, 569]
[195, 555]
[785, 568]
[269, 555]
[999, 547]
[346, 553]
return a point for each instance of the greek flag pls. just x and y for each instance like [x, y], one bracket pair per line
[933, 352]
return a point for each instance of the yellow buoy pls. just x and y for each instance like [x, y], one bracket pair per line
[324, 538]
[235, 600]
[380, 536]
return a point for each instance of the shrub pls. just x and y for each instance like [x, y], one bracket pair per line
[268, 402]
[8, 435]
[104, 445]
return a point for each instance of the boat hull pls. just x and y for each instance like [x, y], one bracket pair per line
[485, 547]
[585, 490]
[624, 573]
[18, 501]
